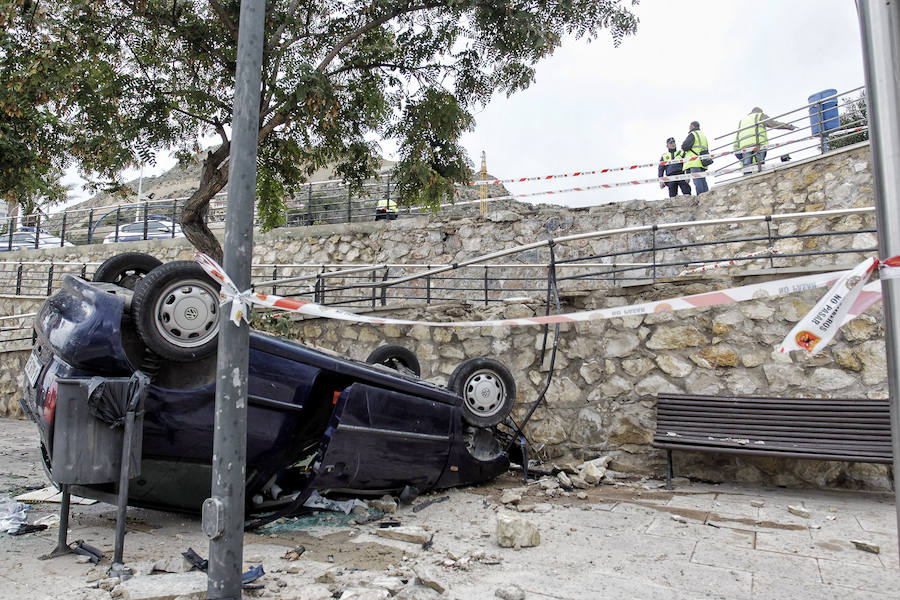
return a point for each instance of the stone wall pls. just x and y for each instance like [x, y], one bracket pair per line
[602, 397]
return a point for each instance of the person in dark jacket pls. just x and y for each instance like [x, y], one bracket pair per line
[673, 169]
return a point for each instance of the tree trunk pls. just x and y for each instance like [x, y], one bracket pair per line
[213, 178]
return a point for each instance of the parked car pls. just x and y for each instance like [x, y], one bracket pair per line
[157, 229]
[316, 421]
[24, 238]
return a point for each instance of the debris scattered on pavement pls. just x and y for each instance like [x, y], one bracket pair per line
[799, 511]
[429, 502]
[385, 504]
[12, 514]
[428, 579]
[866, 546]
[53, 495]
[316, 500]
[511, 497]
[252, 575]
[294, 553]
[195, 559]
[516, 532]
[510, 592]
[22, 530]
[679, 519]
[408, 533]
[757, 503]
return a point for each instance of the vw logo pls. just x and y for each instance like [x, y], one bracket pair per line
[191, 313]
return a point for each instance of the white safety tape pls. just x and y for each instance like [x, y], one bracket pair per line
[728, 263]
[737, 294]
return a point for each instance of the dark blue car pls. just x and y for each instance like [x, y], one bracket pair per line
[315, 421]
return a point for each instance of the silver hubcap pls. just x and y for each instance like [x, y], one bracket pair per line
[187, 313]
[484, 393]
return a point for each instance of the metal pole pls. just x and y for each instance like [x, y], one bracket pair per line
[879, 26]
[223, 513]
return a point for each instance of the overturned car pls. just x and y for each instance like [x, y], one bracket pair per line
[315, 421]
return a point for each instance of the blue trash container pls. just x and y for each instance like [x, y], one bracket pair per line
[823, 115]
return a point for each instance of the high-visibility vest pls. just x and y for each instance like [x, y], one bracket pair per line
[751, 133]
[387, 204]
[673, 155]
[701, 146]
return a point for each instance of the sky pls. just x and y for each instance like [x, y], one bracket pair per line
[593, 106]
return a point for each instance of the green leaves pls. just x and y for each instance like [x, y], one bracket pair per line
[104, 84]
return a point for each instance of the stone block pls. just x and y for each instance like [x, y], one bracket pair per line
[168, 586]
[514, 531]
[676, 337]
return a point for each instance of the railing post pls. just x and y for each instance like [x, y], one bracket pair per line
[485, 285]
[771, 243]
[50, 279]
[374, 279]
[174, 215]
[19, 280]
[9, 232]
[37, 231]
[384, 289]
[427, 281]
[118, 215]
[309, 219]
[146, 216]
[349, 206]
[62, 233]
[90, 237]
[274, 278]
[653, 232]
[84, 270]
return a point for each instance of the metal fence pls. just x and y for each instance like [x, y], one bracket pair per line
[588, 262]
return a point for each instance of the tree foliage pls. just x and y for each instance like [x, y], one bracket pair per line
[855, 114]
[123, 78]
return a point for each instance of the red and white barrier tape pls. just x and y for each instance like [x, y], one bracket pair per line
[632, 167]
[728, 263]
[863, 298]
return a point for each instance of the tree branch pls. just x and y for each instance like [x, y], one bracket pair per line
[217, 8]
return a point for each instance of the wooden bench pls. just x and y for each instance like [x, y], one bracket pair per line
[855, 430]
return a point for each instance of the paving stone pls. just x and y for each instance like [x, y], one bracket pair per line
[774, 564]
[166, 586]
[860, 577]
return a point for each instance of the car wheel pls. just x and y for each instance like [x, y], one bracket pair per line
[176, 311]
[126, 269]
[487, 388]
[396, 357]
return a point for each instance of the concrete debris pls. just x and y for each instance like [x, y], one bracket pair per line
[525, 508]
[799, 511]
[406, 533]
[581, 496]
[866, 546]
[579, 483]
[510, 592]
[543, 507]
[294, 553]
[548, 483]
[329, 576]
[428, 579]
[168, 586]
[511, 497]
[593, 471]
[390, 583]
[416, 592]
[757, 503]
[564, 480]
[315, 592]
[359, 593]
[172, 565]
[679, 519]
[385, 504]
[514, 531]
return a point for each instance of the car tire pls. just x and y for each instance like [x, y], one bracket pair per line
[487, 388]
[176, 310]
[396, 357]
[126, 269]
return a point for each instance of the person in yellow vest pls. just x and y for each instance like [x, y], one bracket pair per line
[386, 209]
[694, 145]
[752, 136]
[673, 169]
